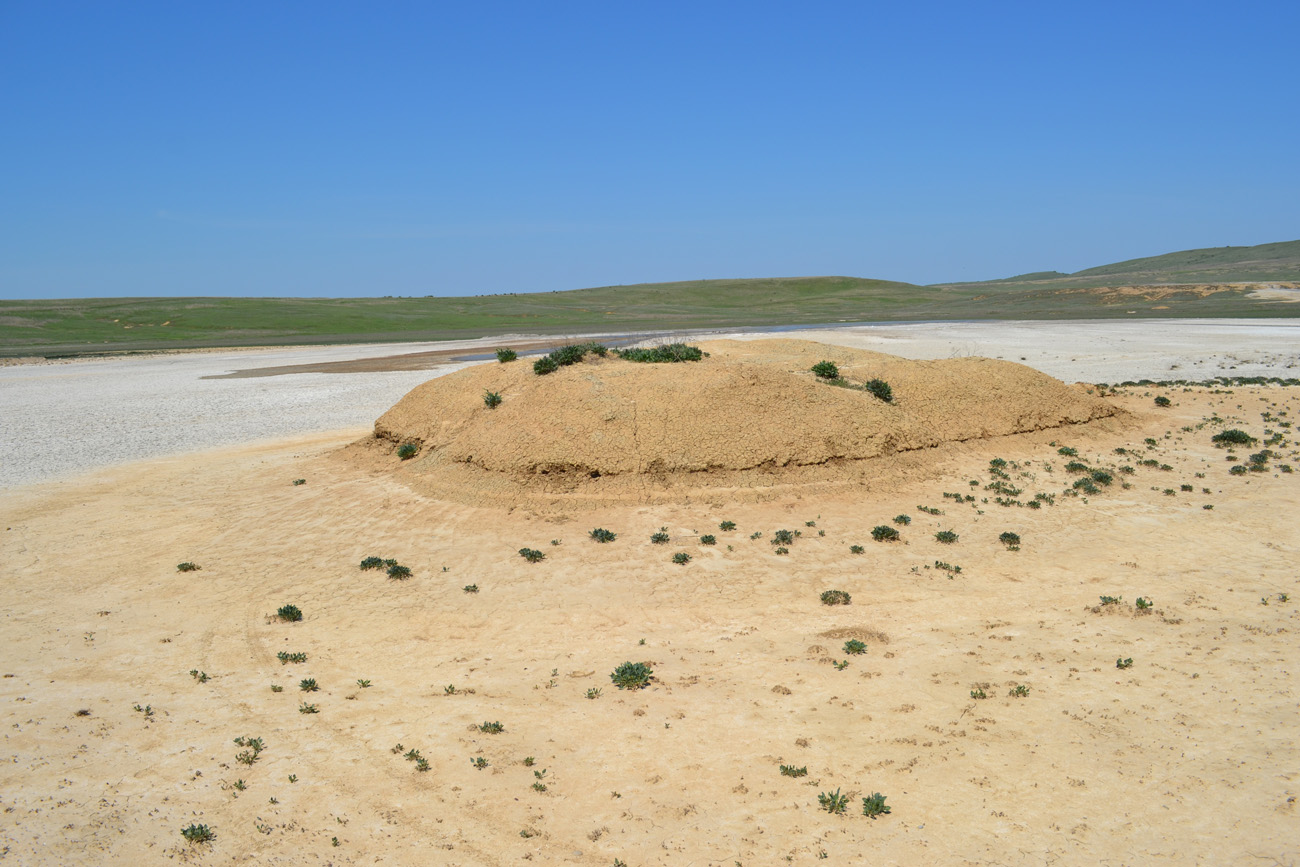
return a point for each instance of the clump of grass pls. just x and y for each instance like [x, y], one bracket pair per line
[853, 647]
[792, 771]
[308, 684]
[492, 728]
[505, 354]
[708, 540]
[947, 537]
[857, 549]
[532, 555]
[375, 563]
[308, 708]
[826, 370]
[491, 399]
[1067, 451]
[398, 572]
[631, 675]
[668, 353]
[593, 693]
[782, 551]
[661, 537]
[1161, 400]
[1011, 540]
[784, 537]
[947, 567]
[602, 535]
[727, 525]
[200, 676]
[567, 355]
[289, 613]
[903, 520]
[198, 834]
[1111, 600]
[833, 802]
[470, 588]
[874, 806]
[1142, 603]
[187, 567]
[479, 762]
[406, 451]
[1019, 691]
[884, 533]
[681, 558]
[978, 693]
[835, 597]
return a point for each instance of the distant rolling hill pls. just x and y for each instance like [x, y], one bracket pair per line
[1193, 283]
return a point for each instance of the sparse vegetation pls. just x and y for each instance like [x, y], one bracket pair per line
[567, 355]
[880, 389]
[504, 354]
[1124, 663]
[884, 533]
[187, 567]
[947, 537]
[1161, 400]
[661, 537]
[857, 549]
[631, 675]
[1019, 691]
[1142, 604]
[398, 572]
[854, 647]
[198, 834]
[1233, 437]
[784, 537]
[406, 451]
[668, 353]
[874, 806]
[826, 370]
[470, 588]
[492, 728]
[903, 520]
[833, 802]
[708, 540]
[835, 597]
[289, 613]
[602, 535]
[491, 399]
[792, 771]
[1011, 540]
[727, 525]
[532, 555]
[681, 558]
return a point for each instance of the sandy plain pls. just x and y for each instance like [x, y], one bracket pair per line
[1188, 756]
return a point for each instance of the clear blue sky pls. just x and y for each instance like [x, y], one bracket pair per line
[422, 148]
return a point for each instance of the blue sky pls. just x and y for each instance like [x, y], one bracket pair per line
[350, 149]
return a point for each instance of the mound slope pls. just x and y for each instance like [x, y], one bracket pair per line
[749, 415]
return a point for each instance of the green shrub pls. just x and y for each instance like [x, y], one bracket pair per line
[491, 399]
[666, 354]
[1163, 401]
[661, 537]
[406, 451]
[1019, 691]
[372, 563]
[835, 597]
[784, 537]
[308, 684]
[532, 555]
[504, 355]
[297, 482]
[1233, 437]
[903, 520]
[1101, 477]
[1011, 540]
[631, 675]
[792, 771]
[470, 588]
[884, 533]
[289, 613]
[781, 551]
[545, 365]
[567, 355]
[727, 525]
[874, 806]
[857, 549]
[308, 708]
[492, 728]
[947, 537]
[978, 693]
[1124, 663]
[681, 558]
[880, 389]
[853, 647]
[187, 567]
[602, 535]
[398, 572]
[287, 657]
[708, 540]
[1142, 603]
[1068, 451]
[1077, 467]
[833, 802]
[198, 834]
[1111, 600]
[826, 370]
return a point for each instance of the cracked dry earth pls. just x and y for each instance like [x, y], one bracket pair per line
[1187, 756]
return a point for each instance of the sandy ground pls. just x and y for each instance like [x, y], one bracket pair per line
[126, 682]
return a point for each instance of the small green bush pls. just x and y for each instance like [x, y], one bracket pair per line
[681, 558]
[727, 525]
[567, 355]
[491, 399]
[504, 354]
[308, 684]
[708, 540]
[666, 354]
[492, 728]
[1011, 540]
[836, 597]
[661, 537]
[187, 567]
[903, 520]
[545, 365]
[792, 771]
[1163, 401]
[857, 549]
[826, 370]
[372, 563]
[853, 647]
[406, 451]
[880, 389]
[198, 834]
[289, 613]
[287, 657]
[1111, 600]
[631, 675]
[947, 537]
[470, 588]
[884, 533]
[784, 537]
[1233, 437]
[398, 572]
[782, 551]
[532, 555]
[297, 482]
[874, 806]
[1068, 451]
[602, 535]
[833, 802]
[1124, 663]
[1142, 603]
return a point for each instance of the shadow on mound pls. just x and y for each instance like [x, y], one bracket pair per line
[750, 421]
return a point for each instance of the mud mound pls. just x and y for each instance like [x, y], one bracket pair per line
[751, 415]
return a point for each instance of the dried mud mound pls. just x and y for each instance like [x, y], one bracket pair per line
[750, 417]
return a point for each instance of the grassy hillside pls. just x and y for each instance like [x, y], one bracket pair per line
[128, 324]
[1265, 262]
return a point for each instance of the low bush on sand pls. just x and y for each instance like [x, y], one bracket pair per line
[667, 354]
[406, 451]
[826, 370]
[631, 675]
[884, 533]
[835, 597]
[504, 354]
[567, 355]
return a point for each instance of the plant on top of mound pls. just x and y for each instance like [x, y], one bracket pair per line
[666, 354]
[567, 355]
[880, 389]
[505, 354]
[826, 370]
